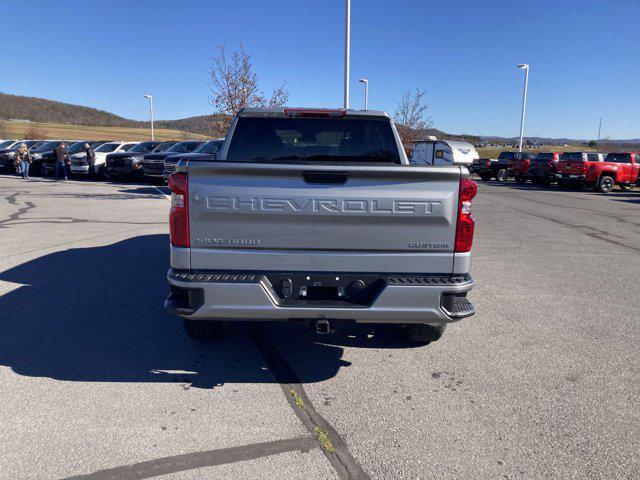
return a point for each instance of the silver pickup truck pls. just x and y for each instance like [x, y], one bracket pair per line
[315, 215]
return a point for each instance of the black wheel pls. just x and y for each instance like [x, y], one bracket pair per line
[485, 177]
[542, 182]
[521, 180]
[626, 188]
[102, 172]
[605, 184]
[204, 329]
[501, 175]
[423, 333]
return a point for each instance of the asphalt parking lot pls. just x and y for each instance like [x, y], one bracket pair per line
[98, 382]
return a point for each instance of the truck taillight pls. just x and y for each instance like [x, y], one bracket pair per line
[466, 222]
[179, 213]
[488, 164]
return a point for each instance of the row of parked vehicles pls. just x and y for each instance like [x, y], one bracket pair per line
[150, 160]
[601, 172]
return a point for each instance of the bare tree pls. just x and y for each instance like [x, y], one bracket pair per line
[411, 117]
[235, 85]
[35, 132]
[3, 129]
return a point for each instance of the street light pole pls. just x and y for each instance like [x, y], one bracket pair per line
[599, 132]
[524, 67]
[347, 53]
[366, 92]
[151, 114]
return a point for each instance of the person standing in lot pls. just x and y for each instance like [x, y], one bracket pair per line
[60, 156]
[91, 159]
[23, 161]
[17, 164]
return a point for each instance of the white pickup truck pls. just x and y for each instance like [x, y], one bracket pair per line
[80, 165]
[315, 215]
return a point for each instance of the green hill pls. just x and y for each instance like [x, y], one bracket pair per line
[49, 111]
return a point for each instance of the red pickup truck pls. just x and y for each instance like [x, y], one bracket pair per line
[617, 169]
[571, 170]
[519, 163]
[543, 168]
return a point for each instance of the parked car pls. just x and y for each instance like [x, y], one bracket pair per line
[207, 150]
[572, 167]
[617, 169]
[7, 143]
[154, 162]
[80, 165]
[129, 164]
[8, 154]
[519, 163]
[543, 168]
[317, 215]
[48, 166]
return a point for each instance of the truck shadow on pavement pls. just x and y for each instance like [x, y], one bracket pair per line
[96, 315]
[145, 190]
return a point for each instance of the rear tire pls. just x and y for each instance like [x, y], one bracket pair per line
[424, 333]
[204, 329]
[521, 180]
[605, 184]
[501, 175]
[542, 182]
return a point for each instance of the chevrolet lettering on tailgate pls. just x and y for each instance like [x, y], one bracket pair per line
[317, 205]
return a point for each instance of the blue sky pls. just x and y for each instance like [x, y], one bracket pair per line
[584, 56]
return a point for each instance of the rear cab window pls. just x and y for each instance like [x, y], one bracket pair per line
[506, 156]
[283, 139]
[572, 157]
[107, 147]
[618, 158]
[543, 157]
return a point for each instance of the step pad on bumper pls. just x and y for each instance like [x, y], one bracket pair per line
[457, 306]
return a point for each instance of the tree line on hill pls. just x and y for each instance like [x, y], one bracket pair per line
[42, 110]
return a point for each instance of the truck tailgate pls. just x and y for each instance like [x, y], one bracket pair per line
[322, 218]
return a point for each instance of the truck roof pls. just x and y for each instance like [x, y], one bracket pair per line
[282, 112]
